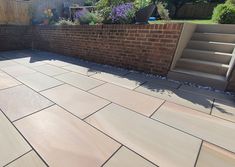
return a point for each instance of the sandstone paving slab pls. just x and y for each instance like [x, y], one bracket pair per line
[18, 70]
[30, 159]
[20, 101]
[7, 81]
[50, 70]
[153, 140]
[29, 61]
[12, 143]
[225, 110]
[133, 100]
[88, 71]
[213, 156]
[126, 158]
[78, 80]
[204, 126]
[58, 63]
[76, 101]
[194, 101]
[64, 140]
[38, 81]
[7, 63]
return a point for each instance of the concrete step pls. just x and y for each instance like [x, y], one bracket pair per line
[215, 37]
[217, 57]
[216, 28]
[203, 66]
[204, 79]
[211, 46]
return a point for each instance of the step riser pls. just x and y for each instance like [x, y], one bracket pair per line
[226, 29]
[212, 57]
[198, 80]
[211, 47]
[214, 37]
[202, 68]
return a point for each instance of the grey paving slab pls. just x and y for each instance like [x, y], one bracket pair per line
[80, 69]
[64, 140]
[194, 101]
[206, 127]
[213, 156]
[29, 61]
[18, 70]
[50, 70]
[78, 80]
[20, 101]
[12, 143]
[155, 141]
[7, 81]
[78, 102]
[7, 63]
[133, 100]
[38, 81]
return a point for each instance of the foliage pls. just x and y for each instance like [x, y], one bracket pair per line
[89, 2]
[224, 14]
[48, 13]
[141, 3]
[91, 18]
[64, 22]
[123, 13]
[230, 2]
[163, 11]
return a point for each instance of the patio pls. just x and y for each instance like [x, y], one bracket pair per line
[62, 111]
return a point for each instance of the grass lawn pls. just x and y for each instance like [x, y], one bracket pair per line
[184, 21]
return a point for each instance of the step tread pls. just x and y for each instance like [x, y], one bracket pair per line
[208, 52]
[212, 42]
[215, 33]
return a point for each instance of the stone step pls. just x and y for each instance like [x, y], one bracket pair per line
[204, 79]
[215, 37]
[217, 57]
[211, 46]
[203, 66]
[216, 28]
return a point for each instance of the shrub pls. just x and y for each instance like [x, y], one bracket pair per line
[123, 14]
[91, 18]
[64, 22]
[224, 14]
[163, 11]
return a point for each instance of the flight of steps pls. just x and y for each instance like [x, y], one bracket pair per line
[208, 56]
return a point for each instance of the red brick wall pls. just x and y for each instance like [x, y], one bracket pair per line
[148, 48]
[15, 37]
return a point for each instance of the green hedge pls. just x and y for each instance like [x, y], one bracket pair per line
[224, 14]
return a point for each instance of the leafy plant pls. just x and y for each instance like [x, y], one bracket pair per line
[163, 11]
[224, 14]
[91, 18]
[139, 4]
[64, 22]
[230, 2]
[89, 2]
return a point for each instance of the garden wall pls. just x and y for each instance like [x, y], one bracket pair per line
[148, 48]
[15, 37]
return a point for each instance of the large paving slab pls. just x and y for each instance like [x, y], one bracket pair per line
[207, 127]
[88, 71]
[38, 81]
[30, 159]
[7, 81]
[78, 80]
[29, 61]
[133, 100]
[20, 101]
[212, 156]
[194, 101]
[18, 70]
[50, 70]
[7, 63]
[64, 140]
[12, 143]
[76, 101]
[126, 158]
[155, 141]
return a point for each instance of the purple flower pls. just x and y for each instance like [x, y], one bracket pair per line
[81, 12]
[122, 13]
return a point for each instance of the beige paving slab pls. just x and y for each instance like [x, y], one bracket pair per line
[133, 100]
[18, 70]
[126, 158]
[57, 63]
[194, 101]
[119, 80]
[216, 95]
[30, 159]
[78, 80]
[207, 127]
[75, 100]
[212, 156]
[225, 110]
[7, 81]
[38, 81]
[20, 101]
[7, 63]
[80, 69]
[50, 70]
[64, 140]
[155, 141]
[12, 143]
[29, 61]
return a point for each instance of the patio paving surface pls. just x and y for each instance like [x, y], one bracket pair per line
[61, 111]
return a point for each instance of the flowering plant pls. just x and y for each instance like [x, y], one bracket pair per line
[123, 13]
[48, 13]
